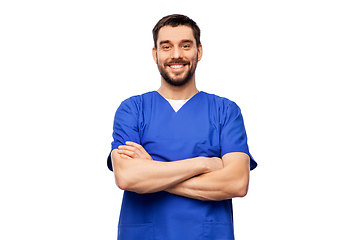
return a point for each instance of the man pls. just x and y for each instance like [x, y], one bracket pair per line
[180, 155]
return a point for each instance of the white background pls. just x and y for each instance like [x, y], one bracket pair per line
[292, 67]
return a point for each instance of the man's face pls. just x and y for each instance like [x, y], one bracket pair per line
[176, 54]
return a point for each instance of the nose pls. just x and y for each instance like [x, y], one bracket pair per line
[176, 53]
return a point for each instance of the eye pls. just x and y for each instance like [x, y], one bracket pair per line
[165, 47]
[186, 46]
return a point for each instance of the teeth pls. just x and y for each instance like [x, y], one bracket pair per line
[176, 66]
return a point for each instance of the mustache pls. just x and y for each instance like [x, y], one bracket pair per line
[177, 61]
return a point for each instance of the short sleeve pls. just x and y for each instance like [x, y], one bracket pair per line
[125, 126]
[233, 135]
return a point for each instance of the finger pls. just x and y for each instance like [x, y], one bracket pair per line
[138, 149]
[127, 144]
[134, 147]
[124, 156]
[123, 146]
[129, 148]
[133, 144]
[129, 153]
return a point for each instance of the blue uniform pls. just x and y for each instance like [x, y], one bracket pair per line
[207, 125]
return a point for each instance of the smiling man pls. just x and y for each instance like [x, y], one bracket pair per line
[180, 154]
[177, 58]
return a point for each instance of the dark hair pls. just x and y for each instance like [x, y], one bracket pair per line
[174, 21]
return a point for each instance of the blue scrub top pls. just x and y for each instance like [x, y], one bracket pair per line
[207, 125]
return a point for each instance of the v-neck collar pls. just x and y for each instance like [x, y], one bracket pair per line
[177, 104]
[169, 105]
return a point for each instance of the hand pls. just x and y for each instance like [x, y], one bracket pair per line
[213, 163]
[133, 150]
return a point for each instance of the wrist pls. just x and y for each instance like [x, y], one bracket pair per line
[204, 165]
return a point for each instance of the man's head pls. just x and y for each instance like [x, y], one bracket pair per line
[174, 21]
[177, 48]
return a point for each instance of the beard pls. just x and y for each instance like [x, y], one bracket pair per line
[176, 80]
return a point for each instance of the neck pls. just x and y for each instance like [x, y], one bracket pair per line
[178, 92]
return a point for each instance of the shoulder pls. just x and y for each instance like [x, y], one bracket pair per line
[225, 110]
[135, 104]
[137, 100]
[217, 99]
[221, 103]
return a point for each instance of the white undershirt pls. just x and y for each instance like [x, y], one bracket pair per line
[176, 104]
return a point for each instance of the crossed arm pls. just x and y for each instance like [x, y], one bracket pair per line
[200, 178]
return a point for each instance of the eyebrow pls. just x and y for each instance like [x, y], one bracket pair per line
[182, 41]
[163, 42]
[187, 41]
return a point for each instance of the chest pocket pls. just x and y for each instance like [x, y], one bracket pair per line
[218, 231]
[206, 150]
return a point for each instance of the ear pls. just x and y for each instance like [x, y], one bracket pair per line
[154, 53]
[200, 52]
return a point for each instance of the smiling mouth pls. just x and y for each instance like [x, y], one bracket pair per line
[176, 66]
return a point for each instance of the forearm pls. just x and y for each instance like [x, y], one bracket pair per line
[229, 182]
[146, 176]
[207, 187]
